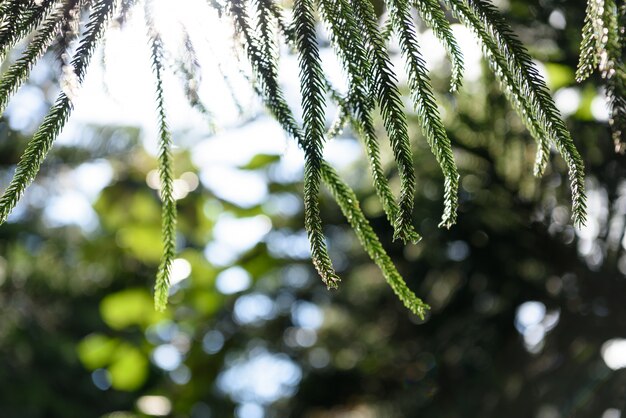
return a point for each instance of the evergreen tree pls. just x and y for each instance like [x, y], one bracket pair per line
[360, 40]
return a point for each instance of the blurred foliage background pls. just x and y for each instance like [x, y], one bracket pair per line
[527, 312]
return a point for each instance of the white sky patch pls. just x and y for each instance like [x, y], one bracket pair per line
[432, 49]
[533, 321]
[243, 188]
[241, 234]
[76, 190]
[70, 208]
[26, 109]
[233, 280]
[612, 413]
[212, 342]
[263, 136]
[90, 178]
[307, 315]
[253, 308]
[167, 357]
[250, 410]
[557, 19]
[260, 377]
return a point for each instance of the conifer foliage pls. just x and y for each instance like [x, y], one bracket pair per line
[602, 49]
[361, 42]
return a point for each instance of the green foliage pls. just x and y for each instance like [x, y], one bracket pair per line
[166, 174]
[602, 49]
[312, 89]
[361, 44]
[42, 140]
[349, 204]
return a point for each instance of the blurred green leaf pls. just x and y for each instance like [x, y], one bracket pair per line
[559, 75]
[96, 350]
[144, 242]
[129, 307]
[129, 368]
[584, 109]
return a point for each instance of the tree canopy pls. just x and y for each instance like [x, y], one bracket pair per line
[361, 44]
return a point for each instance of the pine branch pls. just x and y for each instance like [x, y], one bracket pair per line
[20, 22]
[590, 45]
[189, 72]
[427, 112]
[69, 29]
[385, 89]
[499, 63]
[38, 147]
[166, 175]
[613, 70]
[348, 43]
[18, 72]
[124, 12]
[11, 17]
[503, 50]
[602, 48]
[339, 122]
[349, 205]
[265, 71]
[313, 108]
[433, 15]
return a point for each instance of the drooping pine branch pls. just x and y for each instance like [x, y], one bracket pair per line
[313, 108]
[433, 15]
[349, 205]
[124, 11]
[360, 42]
[607, 34]
[69, 29]
[18, 72]
[614, 72]
[166, 174]
[265, 70]
[385, 90]
[273, 98]
[189, 72]
[20, 22]
[347, 40]
[38, 147]
[499, 63]
[591, 44]
[520, 77]
[427, 112]
[11, 17]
